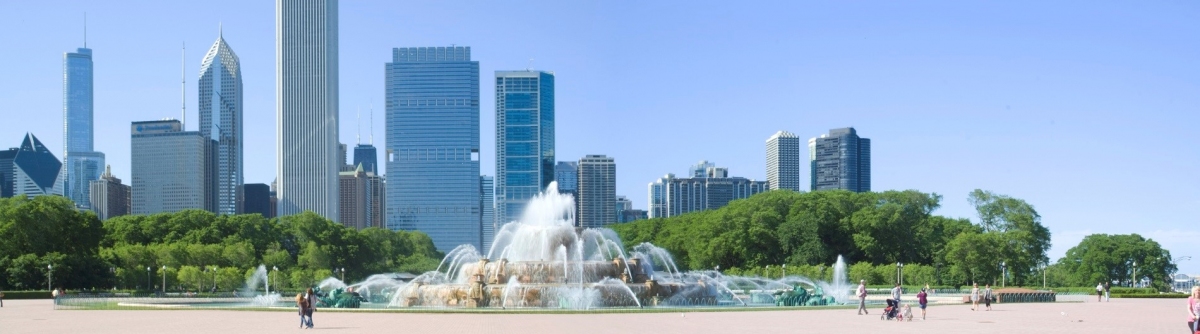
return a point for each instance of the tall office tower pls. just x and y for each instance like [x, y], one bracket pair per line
[433, 144]
[255, 198]
[343, 153]
[671, 196]
[109, 197]
[566, 173]
[487, 219]
[840, 160]
[524, 139]
[597, 191]
[221, 121]
[168, 168]
[36, 170]
[783, 161]
[700, 169]
[306, 106]
[360, 197]
[365, 155]
[622, 204]
[6, 171]
[81, 163]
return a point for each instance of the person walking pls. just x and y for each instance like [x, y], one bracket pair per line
[974, 296]
[311, 299]
[862, 297]
[987, 296]
[1194, 310]
[302, 306]
[923, 300]
[1107, 287]
[1099, 292]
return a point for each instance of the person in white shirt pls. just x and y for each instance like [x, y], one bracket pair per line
[896, 293]
[1099, 292]
[862, 297]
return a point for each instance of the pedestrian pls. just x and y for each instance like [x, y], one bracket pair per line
[311, 299]
[1, 297]
[862, 297]
[1194, 309]
[1107, 287]
[987, 296]
[923, 300]
[974, 296]
[1099, 292]
[896, 294]
[301, 305]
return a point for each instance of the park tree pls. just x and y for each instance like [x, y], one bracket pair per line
[1111, 258]
[1022, 237]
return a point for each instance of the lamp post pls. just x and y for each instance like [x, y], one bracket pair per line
[784, 271]
[899, 273]
[50, 277]
[1133, 280]
[1045, 266]
[214, 288]
[273, 270]
[164, 286]
[343, 269]
[1003, 277]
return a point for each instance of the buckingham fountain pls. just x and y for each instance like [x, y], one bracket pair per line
[545, 261]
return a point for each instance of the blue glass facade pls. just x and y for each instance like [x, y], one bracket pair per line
[840, 160]
[524, 139]
[432, 144]
[82, 165]
[365, 154]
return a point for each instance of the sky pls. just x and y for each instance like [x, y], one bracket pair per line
[1085, 109]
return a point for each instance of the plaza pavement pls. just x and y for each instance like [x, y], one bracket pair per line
[1117, 316]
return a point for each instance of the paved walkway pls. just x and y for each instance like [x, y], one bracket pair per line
[1118, 316]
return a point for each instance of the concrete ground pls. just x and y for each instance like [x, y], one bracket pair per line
[1118, 316]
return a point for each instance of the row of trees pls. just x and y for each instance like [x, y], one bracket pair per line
[45, 238]
[874, 230]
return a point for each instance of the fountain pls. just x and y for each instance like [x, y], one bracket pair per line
[545, 261]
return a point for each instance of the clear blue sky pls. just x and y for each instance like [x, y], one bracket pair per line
[1085, 109]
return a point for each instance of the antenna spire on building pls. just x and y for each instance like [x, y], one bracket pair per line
[183, 86]
[358, 126]
[84, 30]
[372, 119]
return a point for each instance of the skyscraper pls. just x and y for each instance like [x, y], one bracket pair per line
[36, 170]
[109, 197]
[6, 171]
[81, 163]
[840, 160]
[306, 106]
[487, 200]
[365, 155]
[256, 198]
[783, 161]
[168, 168]
[597, 191]
[566, 173]
[622, 204]
[360, 197]
[524, 139]
[433, 144]
[220, 105]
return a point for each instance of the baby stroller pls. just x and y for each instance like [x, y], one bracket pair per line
[891, 311]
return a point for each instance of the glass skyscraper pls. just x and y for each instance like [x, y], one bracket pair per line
[82, 164]
[221, 122]
[524, 139]
[168, 168]
[840, 160]
[432, 144]
[365, 155]
[783, 161]
[306, 107]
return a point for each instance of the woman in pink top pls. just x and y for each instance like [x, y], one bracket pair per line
[1193, 308]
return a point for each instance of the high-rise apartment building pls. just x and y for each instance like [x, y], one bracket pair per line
[524, 139]
[783, 161]
[6, 171]
[306, 106]
[36, 170]
[432, 145]
[361, 199]
[169, 169]
[671, 196]
[220, 105]
[487, 200]
[566, 173]
[622, 204]
[840, 160]
[81, 164]
[256, 198]
[597, 191]
[109, 197]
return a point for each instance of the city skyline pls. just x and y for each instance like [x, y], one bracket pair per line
[949, 112]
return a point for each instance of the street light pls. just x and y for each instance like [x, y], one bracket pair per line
[784, 271]
[164, 286]
[273, 270]
[49, 277]
[899, 273]
[1003, 277]
[148, 284]
[1133, 280]
[214, 288]
[343, 269]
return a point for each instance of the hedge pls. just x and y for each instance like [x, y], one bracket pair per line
[26, 294]
[1150, 295]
